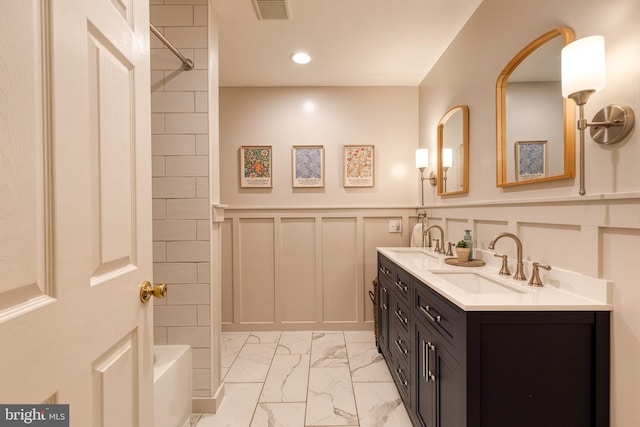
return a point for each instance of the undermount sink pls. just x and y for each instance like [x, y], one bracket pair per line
[475, 283]
[415, 252]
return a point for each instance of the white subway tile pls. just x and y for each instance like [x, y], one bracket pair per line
[204, 319]
[165, 60]
[157, 166]
[202, 102]
[203, 272]
[164, 230]
[201, 379]
[202, 228]
[188, 209]
[187, 166]
[202, 145]
[159, 252]
[173, 145]
[174, 187]
[202, 188]
[157, 81]
[186, 123]
[175, 272]
[157, 123]
[159, 335]
[201, 59]
[159, 208]
[194, 80]
[200, 16]
[172, 102]
[187, 251]
[191, 37]
[178, 315]
[193, 336]
[200, 358]
[189, 293]
[164, 16]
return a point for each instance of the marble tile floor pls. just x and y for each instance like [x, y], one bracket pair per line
[300, 379]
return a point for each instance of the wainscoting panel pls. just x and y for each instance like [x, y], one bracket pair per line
[254, 294]
[554, 243]
[299, 273]
[304, 269]
[340, 263]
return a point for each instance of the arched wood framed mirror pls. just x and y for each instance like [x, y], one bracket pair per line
[453, 151]
[535, 127]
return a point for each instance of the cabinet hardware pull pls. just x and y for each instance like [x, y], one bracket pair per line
[425, 360]
[399, 285]
[430, 347]
[384, 289]
[402, 319]
[399, 345]
[399, 375]
[385, 270]
[385, 306]
[425, 310]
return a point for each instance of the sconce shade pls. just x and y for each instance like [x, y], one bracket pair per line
[447, 157]
[422, 158]
[583, 66]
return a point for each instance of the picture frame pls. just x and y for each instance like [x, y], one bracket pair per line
[307, 166]
[359, 165]
[256, 166]
[531, 159]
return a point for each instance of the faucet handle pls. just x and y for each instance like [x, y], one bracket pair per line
[535, 277]
[504, 270]
[449, 251]
[437, 248]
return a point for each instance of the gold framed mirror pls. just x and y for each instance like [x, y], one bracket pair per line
[453, 151]
[535, 127]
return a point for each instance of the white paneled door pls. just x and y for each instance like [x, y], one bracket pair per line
[75, 208]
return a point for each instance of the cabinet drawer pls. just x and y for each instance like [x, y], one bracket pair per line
[432, 309]
[402, 314]
[402, 378]
[386, 268]
[402, 281]
[401, 345]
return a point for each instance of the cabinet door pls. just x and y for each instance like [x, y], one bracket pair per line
[384, 308]
[439, 385]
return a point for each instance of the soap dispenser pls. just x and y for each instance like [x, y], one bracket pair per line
[467, 238]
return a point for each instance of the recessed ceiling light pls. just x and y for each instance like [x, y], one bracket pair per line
[301, 58]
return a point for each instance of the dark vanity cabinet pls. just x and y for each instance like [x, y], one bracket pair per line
[456, 368]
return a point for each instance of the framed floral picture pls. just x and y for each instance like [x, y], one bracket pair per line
[256, 166]
[307, 166]
[359, 166]
[531, 159]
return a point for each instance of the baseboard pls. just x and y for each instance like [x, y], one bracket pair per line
[208, 405]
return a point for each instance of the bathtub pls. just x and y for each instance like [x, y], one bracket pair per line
[172, 385]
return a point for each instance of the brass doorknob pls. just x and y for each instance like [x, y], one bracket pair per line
[146, 290]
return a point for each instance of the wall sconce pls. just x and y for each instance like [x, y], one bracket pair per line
[583, 74]
[422, 162]
[447, 162]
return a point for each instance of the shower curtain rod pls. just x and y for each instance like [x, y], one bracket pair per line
[187, 64]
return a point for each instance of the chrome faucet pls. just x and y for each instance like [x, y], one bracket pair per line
[519, 265]
[437, 249]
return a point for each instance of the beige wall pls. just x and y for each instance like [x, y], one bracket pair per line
[386, 117]
[593, 234]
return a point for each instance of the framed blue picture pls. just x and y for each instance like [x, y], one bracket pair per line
[531, 160]
[307, 164]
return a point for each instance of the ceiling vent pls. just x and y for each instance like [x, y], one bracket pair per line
[272, 9]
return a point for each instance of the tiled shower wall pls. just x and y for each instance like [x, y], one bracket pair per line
[180, 147]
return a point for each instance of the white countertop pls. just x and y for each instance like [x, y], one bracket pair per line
[562, 291]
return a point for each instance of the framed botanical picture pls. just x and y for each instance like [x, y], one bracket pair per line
[531, 159]
[256, 166]
[307, 165]
[359, 166]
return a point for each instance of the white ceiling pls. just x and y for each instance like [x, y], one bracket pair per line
[352, 42]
